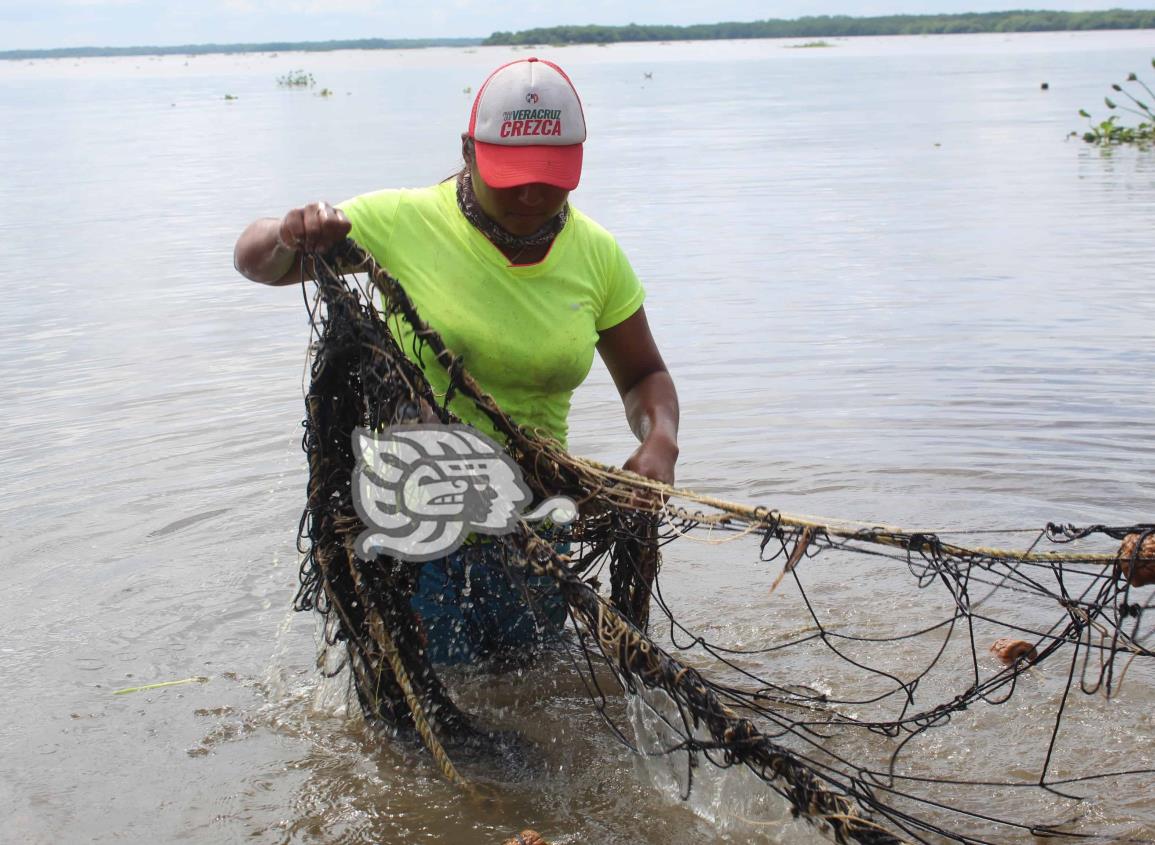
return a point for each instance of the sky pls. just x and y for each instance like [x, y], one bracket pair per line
[38, 24]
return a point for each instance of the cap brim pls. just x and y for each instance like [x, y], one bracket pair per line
[507, 167]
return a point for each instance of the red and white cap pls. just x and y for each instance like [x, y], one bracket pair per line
[527, 126]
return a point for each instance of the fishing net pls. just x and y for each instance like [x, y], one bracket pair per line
[843, 714]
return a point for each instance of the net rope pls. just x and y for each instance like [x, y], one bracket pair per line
[802, 742]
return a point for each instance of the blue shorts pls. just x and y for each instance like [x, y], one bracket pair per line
[472, 606]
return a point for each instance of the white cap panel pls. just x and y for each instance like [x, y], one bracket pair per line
[527, 103]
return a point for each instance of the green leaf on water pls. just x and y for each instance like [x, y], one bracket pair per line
[161, 685]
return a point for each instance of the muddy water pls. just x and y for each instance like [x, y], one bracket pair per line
[888, 288]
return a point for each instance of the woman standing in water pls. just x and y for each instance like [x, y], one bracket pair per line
[521, 285]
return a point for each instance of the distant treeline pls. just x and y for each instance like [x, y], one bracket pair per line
[830, 26]
[271, 47]
[810, 27]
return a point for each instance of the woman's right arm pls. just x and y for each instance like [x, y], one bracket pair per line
[269, 250]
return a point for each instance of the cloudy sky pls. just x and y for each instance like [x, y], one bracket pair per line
[32, 24]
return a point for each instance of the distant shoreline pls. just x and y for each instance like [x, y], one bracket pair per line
[825, 26]
[229, 49]
[840, 26]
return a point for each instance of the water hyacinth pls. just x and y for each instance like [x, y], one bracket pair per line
[1110, 132]
[296, 79]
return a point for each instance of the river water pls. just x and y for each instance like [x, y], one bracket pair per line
[888, 286]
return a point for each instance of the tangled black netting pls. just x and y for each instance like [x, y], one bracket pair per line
[803, 742]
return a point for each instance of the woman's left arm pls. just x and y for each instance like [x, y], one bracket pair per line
[647, 392]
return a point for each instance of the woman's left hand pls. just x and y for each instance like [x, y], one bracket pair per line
[654, 458]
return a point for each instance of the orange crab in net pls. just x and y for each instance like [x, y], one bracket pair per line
[1138, 570]
[1010, 651]
[526, 837]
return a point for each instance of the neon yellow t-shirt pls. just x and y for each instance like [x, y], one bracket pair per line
[526, 333]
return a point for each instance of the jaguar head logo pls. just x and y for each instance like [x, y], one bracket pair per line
[422, 489]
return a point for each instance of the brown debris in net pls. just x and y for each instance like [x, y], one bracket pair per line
[362, 378]
[1136, 561]
[805, 538]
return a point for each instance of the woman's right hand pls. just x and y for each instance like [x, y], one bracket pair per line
[269, 250]
[315, 227]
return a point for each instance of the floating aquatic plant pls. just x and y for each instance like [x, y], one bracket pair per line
[296, 79]
[1110, 131]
